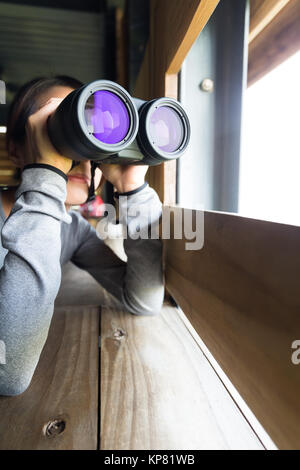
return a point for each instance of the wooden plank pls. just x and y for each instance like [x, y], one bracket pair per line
[191, 17]
[64, 389]
[241, 294]
[262, 13]
[276, 43]
[158, 390]
[174, 26]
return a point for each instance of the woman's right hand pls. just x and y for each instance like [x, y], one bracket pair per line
[39, 148]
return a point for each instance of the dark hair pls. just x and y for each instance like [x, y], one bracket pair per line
[26, 103]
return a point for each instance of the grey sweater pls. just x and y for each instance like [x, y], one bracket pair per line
[37, 238]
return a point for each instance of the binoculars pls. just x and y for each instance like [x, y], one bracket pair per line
[101, 122]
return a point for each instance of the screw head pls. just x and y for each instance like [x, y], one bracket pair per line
[207, 85]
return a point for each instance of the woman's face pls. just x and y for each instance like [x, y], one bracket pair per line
[79, 178]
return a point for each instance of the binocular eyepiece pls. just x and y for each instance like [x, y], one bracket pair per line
[101, 122]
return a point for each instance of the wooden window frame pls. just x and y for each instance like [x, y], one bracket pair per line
[172, 35]
[240, 292]
[274, 35]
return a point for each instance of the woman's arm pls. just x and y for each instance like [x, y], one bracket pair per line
[31, 274]
[137, 284]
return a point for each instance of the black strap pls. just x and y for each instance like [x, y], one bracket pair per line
[92, 195]
[129, 193]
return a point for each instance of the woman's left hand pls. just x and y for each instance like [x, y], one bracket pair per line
[124, 177]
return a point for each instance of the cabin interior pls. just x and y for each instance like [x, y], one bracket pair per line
[218, 368]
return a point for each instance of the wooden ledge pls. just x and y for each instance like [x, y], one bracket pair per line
[60, 408]
[158, 391]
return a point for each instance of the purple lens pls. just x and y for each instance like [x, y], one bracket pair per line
[107, 117]
[166, 129]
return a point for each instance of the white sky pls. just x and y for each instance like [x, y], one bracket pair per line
[270, 159]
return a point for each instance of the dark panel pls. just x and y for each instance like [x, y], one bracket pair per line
[138, 34]
[86, 5]
[46, 41]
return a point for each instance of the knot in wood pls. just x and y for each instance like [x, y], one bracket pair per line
[119, 333]
[54, 427]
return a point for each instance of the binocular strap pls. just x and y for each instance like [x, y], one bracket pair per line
[92, 195]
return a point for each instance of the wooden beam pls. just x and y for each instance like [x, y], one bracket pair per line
[59, 411]
[262, 13]
[161, 393]
[276, 42]
[241, 294]
[174, 26]
[179, 23]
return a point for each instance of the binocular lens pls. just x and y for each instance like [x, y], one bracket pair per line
[166, 129]
[101, 122]
[107, 117]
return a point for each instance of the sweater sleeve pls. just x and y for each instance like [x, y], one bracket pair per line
[31, 274]
[137, 283]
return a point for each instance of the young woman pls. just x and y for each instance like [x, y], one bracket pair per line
[40, 232]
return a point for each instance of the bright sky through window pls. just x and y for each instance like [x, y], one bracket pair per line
[270, 160]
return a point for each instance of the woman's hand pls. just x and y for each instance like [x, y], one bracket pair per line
[39, 148]
[124, 177]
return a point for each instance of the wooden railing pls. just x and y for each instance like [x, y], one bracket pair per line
[241, 294]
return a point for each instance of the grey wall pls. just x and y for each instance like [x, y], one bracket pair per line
[38, 41]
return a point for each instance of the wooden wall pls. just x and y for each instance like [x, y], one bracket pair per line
[241, 294]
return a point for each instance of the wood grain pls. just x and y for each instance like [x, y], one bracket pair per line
[64, 388]
[174, 26]
[276, 42]
[262, 13]
[241, 294]
[158, 390]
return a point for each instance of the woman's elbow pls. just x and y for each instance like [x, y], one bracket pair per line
[145, 313]
[148, 307]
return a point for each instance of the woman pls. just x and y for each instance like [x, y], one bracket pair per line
[40, 232]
